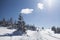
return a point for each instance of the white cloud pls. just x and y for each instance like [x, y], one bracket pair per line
[26, 11]
[40, 5]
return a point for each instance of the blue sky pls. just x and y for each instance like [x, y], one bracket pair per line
[46, 17]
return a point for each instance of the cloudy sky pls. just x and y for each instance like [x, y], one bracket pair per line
[44, 13]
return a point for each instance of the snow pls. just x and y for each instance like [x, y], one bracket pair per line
[4, 30]
[41, 34]
[49, 35]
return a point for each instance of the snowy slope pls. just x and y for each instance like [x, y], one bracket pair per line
[4, 30]
[45, 34]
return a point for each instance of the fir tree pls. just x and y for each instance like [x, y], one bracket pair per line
[3, 22]
[21, 23]
[11, 21]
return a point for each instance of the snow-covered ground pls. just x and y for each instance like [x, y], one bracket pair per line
[4, 30]
[45, 34]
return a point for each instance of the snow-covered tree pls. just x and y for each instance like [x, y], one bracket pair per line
[53, 29]
[21, 23]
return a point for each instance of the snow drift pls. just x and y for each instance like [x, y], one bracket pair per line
[45, 34]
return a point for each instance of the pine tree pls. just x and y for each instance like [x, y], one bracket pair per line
[42, 27]
[11, 21]
[15, 24]
[3, 22]
[53, 29]
[20, 26]
[21, 23]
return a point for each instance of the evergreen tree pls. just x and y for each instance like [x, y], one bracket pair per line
[42, 27]
[53, 29]
[11, 21]
[3, 22]
[58, 30]
[0, 23]
[15, 22]
[21, 23]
